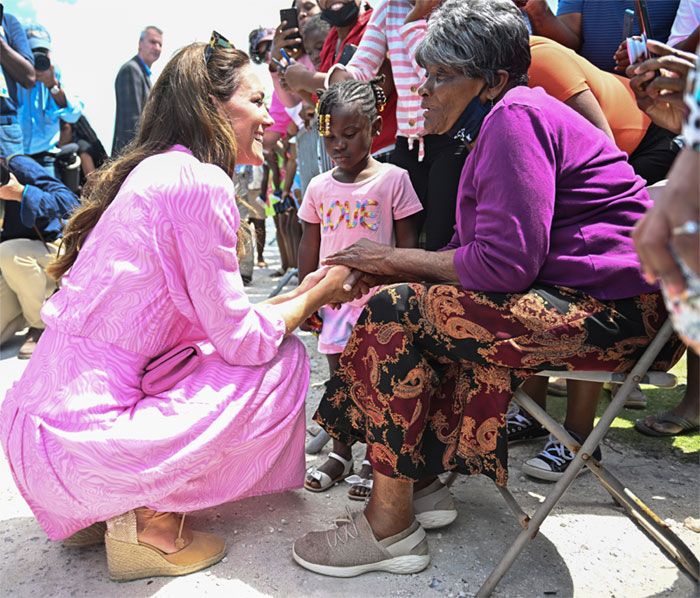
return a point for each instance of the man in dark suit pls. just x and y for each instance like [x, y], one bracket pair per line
[132, 86]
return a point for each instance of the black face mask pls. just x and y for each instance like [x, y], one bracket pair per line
[343, 17]
[469, 123]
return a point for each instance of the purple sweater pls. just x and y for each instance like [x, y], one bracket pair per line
[546, 198]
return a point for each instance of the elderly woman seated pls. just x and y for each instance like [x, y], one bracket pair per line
[540, 274]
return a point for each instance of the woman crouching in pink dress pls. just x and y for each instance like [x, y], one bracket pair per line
[93, 432]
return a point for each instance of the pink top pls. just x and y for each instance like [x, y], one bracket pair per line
[279, 115]
[207, 296]
[385, 35]
[348, 212]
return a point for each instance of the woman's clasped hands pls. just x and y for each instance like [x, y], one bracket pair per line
[339, 283]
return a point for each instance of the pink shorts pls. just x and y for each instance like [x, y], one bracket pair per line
[337, 327]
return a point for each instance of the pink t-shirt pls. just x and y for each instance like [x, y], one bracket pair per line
[348, 212]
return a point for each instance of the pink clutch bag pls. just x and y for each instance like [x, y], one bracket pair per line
[165, 371]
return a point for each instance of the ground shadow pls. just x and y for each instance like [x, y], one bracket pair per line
[9, 348]
[260, 532]
[32, 566]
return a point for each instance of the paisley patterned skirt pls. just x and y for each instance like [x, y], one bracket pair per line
[427, 375]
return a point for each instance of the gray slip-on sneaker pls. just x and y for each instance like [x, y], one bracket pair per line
[434, 506]
[352, 549]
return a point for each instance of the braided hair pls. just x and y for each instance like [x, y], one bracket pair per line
[368, 96]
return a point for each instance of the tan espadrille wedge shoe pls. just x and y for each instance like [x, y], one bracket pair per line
[90, 536]
[128, 558]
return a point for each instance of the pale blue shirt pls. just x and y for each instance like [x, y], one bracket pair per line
[40, 116]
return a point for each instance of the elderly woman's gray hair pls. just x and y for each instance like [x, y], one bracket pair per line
[478, 38]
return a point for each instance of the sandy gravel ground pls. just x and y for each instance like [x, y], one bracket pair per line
[587, 547]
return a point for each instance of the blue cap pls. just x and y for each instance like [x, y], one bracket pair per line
[38, 36]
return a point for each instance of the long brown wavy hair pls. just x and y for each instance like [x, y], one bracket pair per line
[180, 110]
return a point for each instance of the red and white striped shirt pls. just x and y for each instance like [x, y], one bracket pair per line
[386, 35]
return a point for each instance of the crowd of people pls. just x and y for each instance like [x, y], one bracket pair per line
[470, 191]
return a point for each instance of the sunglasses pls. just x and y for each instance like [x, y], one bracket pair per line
[216, 41]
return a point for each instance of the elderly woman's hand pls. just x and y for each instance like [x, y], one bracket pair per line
[13, 190]
[365, 256]
[659, 84]
[654, 235]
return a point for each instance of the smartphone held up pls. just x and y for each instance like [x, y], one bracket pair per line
[290, 17]
[637, 50]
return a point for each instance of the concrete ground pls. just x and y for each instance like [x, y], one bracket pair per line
[587, 547]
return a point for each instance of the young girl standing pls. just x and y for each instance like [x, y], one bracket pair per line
[360, 198]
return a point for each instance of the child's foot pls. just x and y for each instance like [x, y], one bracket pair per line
[553, 461]
[334, 470]
[361, 485]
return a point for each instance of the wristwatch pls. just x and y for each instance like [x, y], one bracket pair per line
[55, 90]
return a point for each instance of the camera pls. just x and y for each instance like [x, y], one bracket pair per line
[42, 62]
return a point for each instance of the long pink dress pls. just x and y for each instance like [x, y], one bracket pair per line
[160, 267]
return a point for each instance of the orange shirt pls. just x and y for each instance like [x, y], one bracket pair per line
[563, 73]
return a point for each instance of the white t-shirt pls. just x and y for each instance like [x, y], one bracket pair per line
[687, 19]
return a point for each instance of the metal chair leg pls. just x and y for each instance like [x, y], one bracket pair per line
[582, 455]
[654, 527]
[533, 526]
[450, 479]
[522, 517]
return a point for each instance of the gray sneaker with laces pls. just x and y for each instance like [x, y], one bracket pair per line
[352, 549]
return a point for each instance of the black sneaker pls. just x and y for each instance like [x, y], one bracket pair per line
[521, 427]
[552, 462]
